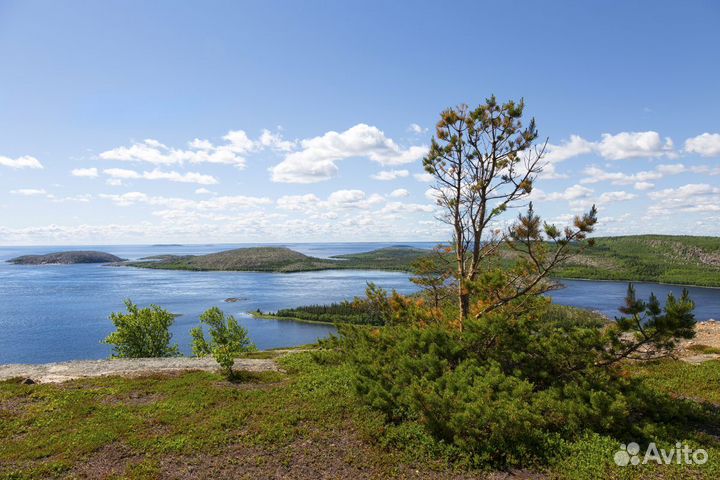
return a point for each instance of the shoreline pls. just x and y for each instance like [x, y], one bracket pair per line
[635, 281]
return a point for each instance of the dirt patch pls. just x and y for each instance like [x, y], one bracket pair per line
[15, 406]
[314, 456]
[110, 461]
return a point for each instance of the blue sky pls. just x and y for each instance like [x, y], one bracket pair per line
[144, 122]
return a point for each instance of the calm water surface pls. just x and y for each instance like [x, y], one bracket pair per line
[59, 312]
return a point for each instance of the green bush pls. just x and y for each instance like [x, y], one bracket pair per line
[142, 332]
[508, 389]
[228, 340]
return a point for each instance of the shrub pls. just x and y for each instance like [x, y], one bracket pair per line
[142, 332]
[508, 388]
[228, 340]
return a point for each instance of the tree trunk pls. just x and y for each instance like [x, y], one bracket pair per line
[464, 299]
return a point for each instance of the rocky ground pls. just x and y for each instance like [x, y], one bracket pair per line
[61, 372]
[705, 346]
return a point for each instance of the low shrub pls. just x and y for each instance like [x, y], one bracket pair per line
[142, 332]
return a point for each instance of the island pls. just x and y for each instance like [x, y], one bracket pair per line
[67, 258]
[686, 260]
[284, 260]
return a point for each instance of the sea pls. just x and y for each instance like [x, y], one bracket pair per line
[54, 313]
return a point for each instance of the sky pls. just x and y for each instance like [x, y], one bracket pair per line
[282, 121]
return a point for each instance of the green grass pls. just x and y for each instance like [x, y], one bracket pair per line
[309, 412]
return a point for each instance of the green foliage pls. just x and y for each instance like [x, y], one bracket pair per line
[228, 339]
[684, 260]
[509, 388]
[343, 312]
[649, 330]
[142, 332]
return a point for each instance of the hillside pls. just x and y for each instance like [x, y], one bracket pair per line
[281, 259]
[652, 258]
[66, 258]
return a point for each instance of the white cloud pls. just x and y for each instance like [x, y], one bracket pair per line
[316, 161]
[596, 175]
[298, 202]
[423, 177]
[571, 148]
[25, 161]
[574, 192]
[621, 146]
[275, 141]
[390, 174]
[706, 145]
[643, 185]
[626, 145]
[399, 193]
[338, 200]
[400, 207]
[237, 144]
[692, 197]
[173, 176]
[85, 172]
[214, 204]
[417, 129]
[609, 197]
[29, 192]
[203, 191]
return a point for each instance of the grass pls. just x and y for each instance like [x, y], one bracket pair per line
[272, 424]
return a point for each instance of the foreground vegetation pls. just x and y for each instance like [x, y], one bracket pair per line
[306, 423]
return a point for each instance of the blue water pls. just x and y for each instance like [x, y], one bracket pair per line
[59, 312]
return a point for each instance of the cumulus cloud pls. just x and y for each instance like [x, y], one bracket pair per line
[25, 161]
[203, 191]
[85, 172]
[692, 197]
[621, 146]
[316, 160]
[626, 145]
[232, 152]
[706, 145]
[399, 193]
[390, 174]
[172, 176]
[568, 149]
